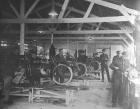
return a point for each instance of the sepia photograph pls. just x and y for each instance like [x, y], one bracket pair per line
[69, 54]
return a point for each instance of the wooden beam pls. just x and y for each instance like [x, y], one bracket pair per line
[82, 12]
[129, 17]
[22, 26]
[65, 4]
[38, 14]
[22, 34]
[31, 8]
[74, 9]
[115, 6]
[127, 34]
[105, 4]
[22, 9]
[131, 11]
[75, 32]
[124, 40]
[68, 12]
[130, 37]
[67, 20]
[77, 38]
[86, 14]
[98, 26]
[43, 7]
[89, 10]
[14, 9]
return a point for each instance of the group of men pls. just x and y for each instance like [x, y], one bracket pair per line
[119, 65]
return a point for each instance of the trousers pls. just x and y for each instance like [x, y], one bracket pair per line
[104, 67]
[116, 88]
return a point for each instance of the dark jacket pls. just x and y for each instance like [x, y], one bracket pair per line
[60, 59]
[104, 58]
[120, 62]
[8, 64]
[117, 73]
[82, 58]
[117, 62]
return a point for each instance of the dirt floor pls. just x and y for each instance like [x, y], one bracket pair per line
[98, 96]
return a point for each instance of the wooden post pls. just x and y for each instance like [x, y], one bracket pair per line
[77, 48]
[22, 27]
[22, 33]
[51, 38]
[30, 96]
[68, 42]
[67, 97]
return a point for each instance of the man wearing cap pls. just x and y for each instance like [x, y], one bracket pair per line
[104, 64]
[116, 66]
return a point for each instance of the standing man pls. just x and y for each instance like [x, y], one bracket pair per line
[82, 58]
[52, 54]
[8, 64]
[120, 64]
[104, 64]
[125, 69]
[116, 66]
[60, 59]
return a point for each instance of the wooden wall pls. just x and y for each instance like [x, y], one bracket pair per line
[91, 47]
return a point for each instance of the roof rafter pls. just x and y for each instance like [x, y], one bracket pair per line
[67, 13]
[89, 10]
[80, 38]
[22, 9]
[126, 14]
[127, 34]
[113, 6]
[87, 13]
[38, 14]
[98, 26]
[120, 8]
[105, 4]
[131, 11]
[75, 32]
[124, 40]
[14, 9]
[31, 8]
[81, 12]
[43, 7]
[67, 20]
[65, 4]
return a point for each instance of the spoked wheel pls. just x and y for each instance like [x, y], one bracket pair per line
[93, 67]
[82, 69]
[62, 74]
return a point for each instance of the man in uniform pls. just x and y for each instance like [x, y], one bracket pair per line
[119, 65]
[116, 66]
[104, 64]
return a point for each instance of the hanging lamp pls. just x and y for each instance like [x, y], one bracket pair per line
[53, 13]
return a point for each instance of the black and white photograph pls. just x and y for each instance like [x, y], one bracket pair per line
[69, 54]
